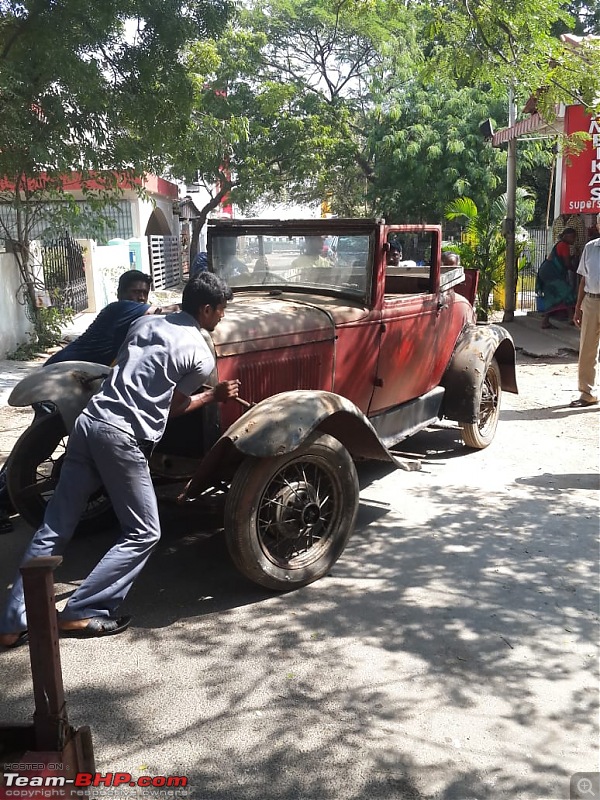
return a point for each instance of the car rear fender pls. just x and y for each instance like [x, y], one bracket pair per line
[68, 385]
[281, 424]
[463, 379]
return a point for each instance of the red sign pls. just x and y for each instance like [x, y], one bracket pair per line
[581, 173]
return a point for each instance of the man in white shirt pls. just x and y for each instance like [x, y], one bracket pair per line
[587, 317]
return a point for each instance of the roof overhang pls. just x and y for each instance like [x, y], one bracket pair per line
[533, 125]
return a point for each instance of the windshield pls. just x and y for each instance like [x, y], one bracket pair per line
[327, 263]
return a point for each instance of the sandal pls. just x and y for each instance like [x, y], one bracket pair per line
[580, 403]
[22, 638]
[98, 626]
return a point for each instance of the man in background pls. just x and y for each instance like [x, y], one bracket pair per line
[100, 343]
[450, 259]
[587, 317]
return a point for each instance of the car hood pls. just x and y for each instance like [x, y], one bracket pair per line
[254, 323]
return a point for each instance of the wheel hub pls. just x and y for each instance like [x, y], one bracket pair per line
[296, 509]
[311, 514]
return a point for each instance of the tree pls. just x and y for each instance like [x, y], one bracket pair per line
[352, 103]
[586, 16]
[428, 149]
[79, 92]
[282, 99]
[484, 246]
[515, 45]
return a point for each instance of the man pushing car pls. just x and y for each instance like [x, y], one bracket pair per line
[162, 362]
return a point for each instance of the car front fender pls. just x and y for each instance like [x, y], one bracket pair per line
[68, 385]
[463, 379]
[281, 423]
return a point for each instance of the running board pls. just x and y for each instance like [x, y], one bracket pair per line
[400, 422]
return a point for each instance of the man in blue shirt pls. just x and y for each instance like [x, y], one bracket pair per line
[163, 361]
[100, 343]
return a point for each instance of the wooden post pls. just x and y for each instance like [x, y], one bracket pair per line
[50, 717]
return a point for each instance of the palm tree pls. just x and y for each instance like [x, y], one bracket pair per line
[484, 246]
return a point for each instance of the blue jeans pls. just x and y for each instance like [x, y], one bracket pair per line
[97, 454]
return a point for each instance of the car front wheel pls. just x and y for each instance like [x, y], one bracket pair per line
[288, 518]
[480, 434]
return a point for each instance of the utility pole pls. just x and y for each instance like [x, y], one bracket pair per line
[510, 273]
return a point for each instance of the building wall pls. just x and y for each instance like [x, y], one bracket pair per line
[107, 263]
[14, 323]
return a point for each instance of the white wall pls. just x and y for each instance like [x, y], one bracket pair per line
[14, 323]
[108, 262]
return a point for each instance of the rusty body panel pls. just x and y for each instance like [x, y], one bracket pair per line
[304, 342]
[477, 346]
[418, 335]
[280, 424]
[273, 345]
[256, 323]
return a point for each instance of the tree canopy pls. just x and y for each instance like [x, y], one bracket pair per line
[517, 45]
[374, 107]
[90, 87]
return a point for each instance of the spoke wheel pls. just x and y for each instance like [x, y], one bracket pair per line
[288, 518]
[481, 433]
[33, 471]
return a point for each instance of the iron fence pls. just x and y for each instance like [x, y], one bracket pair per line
[64, 273]
[165, 261]
[536, 250]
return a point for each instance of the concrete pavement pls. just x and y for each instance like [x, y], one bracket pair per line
[534, 341]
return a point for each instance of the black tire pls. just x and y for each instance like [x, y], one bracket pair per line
[32, 474]
[288, 518]
[480, 434]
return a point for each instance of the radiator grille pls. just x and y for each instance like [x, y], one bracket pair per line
[283, 373]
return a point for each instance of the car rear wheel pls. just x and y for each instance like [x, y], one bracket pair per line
[288, 518]
[481, 433]
[33, 471]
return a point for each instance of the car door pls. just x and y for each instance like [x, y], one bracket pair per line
[416, 332]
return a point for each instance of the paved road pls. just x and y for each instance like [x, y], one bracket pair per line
[451, 654]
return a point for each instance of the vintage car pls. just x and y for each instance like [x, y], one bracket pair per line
[341, 353]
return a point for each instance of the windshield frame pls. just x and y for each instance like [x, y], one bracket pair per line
[327, 229]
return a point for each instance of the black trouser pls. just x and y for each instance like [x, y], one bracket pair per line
[5, 504]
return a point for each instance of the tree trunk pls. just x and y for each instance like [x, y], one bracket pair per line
[200, 222]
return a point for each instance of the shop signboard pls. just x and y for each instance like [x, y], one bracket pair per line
[581, 172]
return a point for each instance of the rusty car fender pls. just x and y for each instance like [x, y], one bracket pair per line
[68, 385]
[281, 424]
[463, 380]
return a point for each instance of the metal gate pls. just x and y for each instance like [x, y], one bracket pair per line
[165, 261]
[538, 247]
[64, 273]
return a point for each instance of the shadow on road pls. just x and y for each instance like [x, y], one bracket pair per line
[450, 601]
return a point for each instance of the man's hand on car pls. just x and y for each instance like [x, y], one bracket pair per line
[226, 390]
